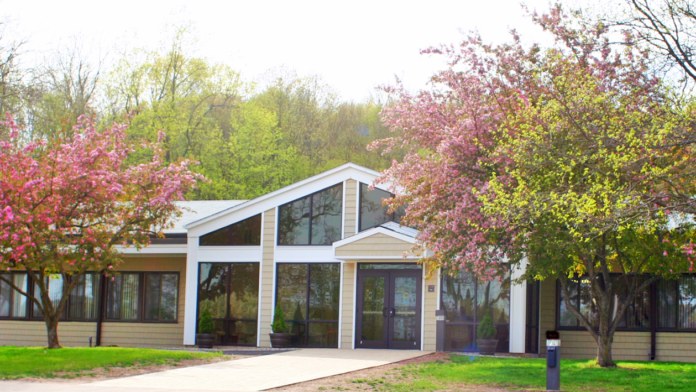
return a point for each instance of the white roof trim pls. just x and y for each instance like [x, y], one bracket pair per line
[280, 191]
[371, 232]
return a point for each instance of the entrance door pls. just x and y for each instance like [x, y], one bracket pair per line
[389, 309]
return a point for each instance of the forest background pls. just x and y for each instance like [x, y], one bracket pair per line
[250, 137]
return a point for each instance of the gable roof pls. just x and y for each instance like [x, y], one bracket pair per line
[349, 170]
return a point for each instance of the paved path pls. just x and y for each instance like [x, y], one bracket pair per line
[249, 374]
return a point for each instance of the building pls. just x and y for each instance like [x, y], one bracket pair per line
[328, 253]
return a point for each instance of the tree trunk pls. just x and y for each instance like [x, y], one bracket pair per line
[604, 342]
[52, 328]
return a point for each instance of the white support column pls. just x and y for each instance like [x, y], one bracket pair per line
[190, 304]
[518, 309]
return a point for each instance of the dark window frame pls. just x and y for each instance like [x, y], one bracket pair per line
[311, 210]
[141, 298]
[260, 215]
[307, 320]
[227, 299]
[359, 212]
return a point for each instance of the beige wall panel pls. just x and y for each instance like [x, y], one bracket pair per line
[547, 312]
[375, 245]
[430, 302]
[676, 346]
[33, 333]
[351, 220]
[267, 283]
[348, 309]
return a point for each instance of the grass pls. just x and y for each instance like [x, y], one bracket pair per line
[21, 362]
[530, 374]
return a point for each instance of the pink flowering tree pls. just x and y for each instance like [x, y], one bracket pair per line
[575, 158]
[66, 204]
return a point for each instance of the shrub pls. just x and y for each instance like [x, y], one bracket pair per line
[486, 330]
[206, 325]
[278, 325]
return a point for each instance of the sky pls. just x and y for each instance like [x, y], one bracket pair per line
[354, 46]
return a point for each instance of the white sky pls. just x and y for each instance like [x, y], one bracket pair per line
[353, 45]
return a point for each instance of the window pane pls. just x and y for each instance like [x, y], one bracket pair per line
[153, 294]
[122, 297]
[390, 266]
[637, 313]
[372, 212]
[212, 289]
[19, 301]
[170, 296]
[667, 297]
[458, 296]
[293, 223]
[327, 209]
[587, 304]
[324, 291]
[460, 337]
[83, 298]
[494, 299]
[567, 319]
[5, 296]
[246, 232]
[687, 302]
[292, 290]
[54, 285]
[242, 332]
[323, 334]
[244, 291]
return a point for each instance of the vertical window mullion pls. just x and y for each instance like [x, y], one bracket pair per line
[309, 287]
[311, 216]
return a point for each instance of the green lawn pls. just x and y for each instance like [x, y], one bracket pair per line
[20, 362]
[530, 374]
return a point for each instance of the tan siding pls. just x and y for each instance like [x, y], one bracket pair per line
[377, 245]
[430, 302]
[348, 305]
[32, 333]
[351, 208]
[676, 346]
[268, 283]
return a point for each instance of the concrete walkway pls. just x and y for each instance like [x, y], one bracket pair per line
[243, 375]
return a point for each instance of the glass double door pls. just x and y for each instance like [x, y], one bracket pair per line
[389, 309]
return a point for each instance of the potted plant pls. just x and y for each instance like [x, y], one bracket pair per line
[205, 337]
[486, 333]
[279, 337]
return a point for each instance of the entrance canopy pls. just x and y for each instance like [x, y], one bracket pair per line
[386, 241]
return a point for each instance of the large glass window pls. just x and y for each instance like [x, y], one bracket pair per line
[637, 315]
[466, 301]
[12, 303]
[372, 212]
[246, 232]
[308, 294]
[54, 285]
[312, 220]
[143, 296]
[677, 303]
[231, 292]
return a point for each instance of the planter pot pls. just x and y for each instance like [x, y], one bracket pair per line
[205, 340]
[280, 340]
[487, 346]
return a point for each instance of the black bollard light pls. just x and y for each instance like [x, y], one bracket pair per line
[553, 361]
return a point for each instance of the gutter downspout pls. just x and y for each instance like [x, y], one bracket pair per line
[100, 311]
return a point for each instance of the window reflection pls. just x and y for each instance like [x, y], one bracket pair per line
[466, 301]
[308, 294]
[246, 232]
[312, 220]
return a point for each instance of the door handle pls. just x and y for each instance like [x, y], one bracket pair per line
[392, 312]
